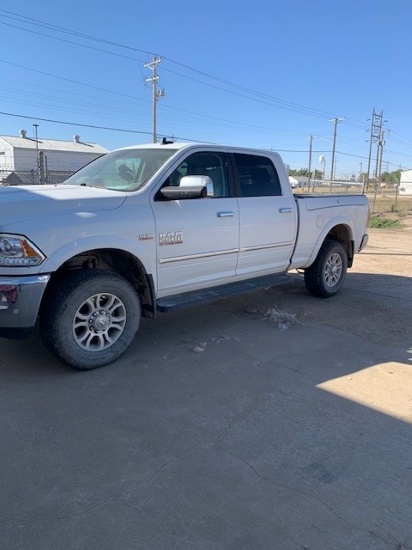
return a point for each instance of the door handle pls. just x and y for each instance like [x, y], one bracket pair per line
[225, 214]
[285, 210]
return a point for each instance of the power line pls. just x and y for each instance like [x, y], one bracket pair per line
[65, 79]
[265, 99]
[248, 93]
[28, 117]
[70, 80]
[39, 23]
[108, 128]
[281, 104]
[70, 42]
[397, 153]
[273, 101]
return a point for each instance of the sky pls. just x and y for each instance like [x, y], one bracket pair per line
[263, 74]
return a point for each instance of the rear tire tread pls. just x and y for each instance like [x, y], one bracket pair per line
[315, 274]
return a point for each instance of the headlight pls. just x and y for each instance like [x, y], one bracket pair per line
[17, 251]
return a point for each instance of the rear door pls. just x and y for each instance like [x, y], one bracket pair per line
[267, 218]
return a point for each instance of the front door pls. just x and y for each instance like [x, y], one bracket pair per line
[197, 239]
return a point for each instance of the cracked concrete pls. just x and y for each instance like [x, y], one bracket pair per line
[269, 439]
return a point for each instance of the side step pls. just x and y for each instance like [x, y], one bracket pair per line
[179, 301]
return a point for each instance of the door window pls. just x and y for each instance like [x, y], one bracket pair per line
[204, 164]
[256, 176]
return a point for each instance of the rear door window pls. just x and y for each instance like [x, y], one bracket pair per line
[256, 176]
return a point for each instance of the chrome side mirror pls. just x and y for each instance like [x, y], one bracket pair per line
[204, 181]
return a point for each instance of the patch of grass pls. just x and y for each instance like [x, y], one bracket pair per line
[385, 223]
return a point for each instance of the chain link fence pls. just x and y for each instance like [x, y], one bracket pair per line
[32, 177]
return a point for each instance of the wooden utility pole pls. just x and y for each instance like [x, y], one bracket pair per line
[156, 94]
[310, 160]
[336, 122]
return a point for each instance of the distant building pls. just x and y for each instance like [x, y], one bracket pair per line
[298, 181]
[405, 184]
[25, 160]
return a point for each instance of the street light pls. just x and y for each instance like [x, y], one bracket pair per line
[335, 121]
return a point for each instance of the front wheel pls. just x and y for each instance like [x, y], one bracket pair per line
[90, 318]
[325, 276]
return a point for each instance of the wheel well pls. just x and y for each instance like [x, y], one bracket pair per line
[341, 233]
[112, 260]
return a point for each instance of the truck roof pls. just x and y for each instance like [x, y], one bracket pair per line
[194, 145]
[168, 145]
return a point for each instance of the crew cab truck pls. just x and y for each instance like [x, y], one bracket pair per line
[154, 227]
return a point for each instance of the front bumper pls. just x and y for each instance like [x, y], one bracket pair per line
[20, 299]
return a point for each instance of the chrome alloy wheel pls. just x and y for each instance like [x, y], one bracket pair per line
[99, 322]
[333, 269]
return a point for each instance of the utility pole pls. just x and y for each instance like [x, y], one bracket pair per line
[156, 94]
[336, 122]
[378, 159]
[381, 143]
[375, 133]
[310, 160]
[379, 155]
[35, 126]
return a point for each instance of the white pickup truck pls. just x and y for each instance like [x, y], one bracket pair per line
[154, 227]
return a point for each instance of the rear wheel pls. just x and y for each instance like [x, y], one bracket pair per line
[325, 276]
[90, 318]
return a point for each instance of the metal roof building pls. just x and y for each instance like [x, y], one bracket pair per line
[24, 159]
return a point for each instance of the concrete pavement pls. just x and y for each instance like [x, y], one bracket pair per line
[224, 427]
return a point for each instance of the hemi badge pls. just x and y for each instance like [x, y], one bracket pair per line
[145, 237]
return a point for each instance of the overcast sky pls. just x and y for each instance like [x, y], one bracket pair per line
[264, 74]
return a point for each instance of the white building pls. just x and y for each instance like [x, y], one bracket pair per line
[298, 181]
[27, 160]
[405, 184]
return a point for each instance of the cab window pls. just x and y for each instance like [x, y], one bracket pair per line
[256, 176]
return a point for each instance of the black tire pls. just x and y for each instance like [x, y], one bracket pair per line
[325, 276]
[90, 318]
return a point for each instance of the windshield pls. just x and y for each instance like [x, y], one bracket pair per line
[124, 170]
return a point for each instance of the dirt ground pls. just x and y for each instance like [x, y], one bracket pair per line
[269, 421]
[380, 279]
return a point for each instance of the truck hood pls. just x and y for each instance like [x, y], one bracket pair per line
[28, 202]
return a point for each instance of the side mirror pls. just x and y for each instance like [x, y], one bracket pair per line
[204, 181]
[191, 187]
[172, 193]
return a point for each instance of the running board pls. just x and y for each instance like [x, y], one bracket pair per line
[179, 301]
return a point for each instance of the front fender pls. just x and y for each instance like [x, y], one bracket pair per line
[143, 250]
